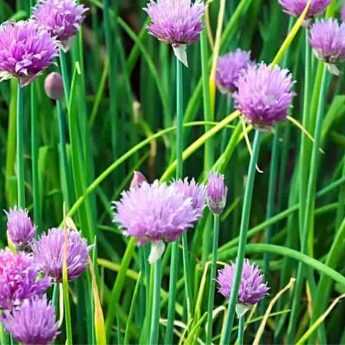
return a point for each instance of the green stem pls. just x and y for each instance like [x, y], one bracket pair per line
[112, 75]
[154, 332]
[68, 318]
[179, 119]
[240, 336]
[20, 148]
[304, 157]
[65, 77]
[211, 291]
[271, 194]
[247, 202]
[34, 158]
[64, 168]
[172, 292]
[309, 209]
[208, 114]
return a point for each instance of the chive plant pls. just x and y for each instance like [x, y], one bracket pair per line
[124, 126]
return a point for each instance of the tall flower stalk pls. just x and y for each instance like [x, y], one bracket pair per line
[20, 147]
[247, 202]
[216, 200]
[257, 87]
[177, 23]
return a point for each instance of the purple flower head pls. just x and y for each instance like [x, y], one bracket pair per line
[62, 18]
[20, 229]
[296, 7]
[49, 253]
[193, 190]
[20, 279]
[216, 193]
[327, 38]
[175, 21]
[33, 323]
[26, 49]
[138, 179]
[154, 212]
[264, 94]
[253, 288]
[229, 68]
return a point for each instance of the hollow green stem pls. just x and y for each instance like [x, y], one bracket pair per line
[309, 209]
[112, 74]
[174, 264]
[247, 202]
[304, 156]
[64, 168]
[179, 119]
[65, 77]
[34, 158]
[179, 174]
[213, 272]
[240, 334]
[154, 332]
[68, 317]
[271, 193]
[20, 148]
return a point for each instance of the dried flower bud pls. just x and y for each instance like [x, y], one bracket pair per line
[137, 180]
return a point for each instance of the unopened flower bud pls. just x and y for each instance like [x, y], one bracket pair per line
[216, 193]
[53, 86]
[20, 229]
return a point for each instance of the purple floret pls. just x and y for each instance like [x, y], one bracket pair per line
[62, 18]
[26, 49]
[193, 190]
[296, 7]
[33, 323]
[20, 279]
[327, 38]
[253, 288]
[175, 21]
[229, 68]
[155, 212]
[49, 253]
[264, 94]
